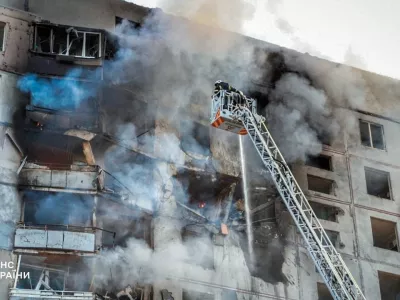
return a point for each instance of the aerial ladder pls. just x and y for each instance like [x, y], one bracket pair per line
[234, 112]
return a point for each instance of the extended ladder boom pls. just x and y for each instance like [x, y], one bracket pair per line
[328, 261]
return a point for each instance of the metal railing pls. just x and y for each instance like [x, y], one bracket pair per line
[106, 235]
[19, 294]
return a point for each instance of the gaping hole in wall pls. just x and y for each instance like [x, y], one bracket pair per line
[389, 285]
[43, 208]
[199, 244]
[378, 183]
[323, 292]
[127, 222]
[321, 162]
[319, 184]
[325, 212]
[204, 192]
[53, 150]
[55, 272]
[194, 295]
[372, 135]
[384, 234]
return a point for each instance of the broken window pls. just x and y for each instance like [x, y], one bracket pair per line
[389, 285]
[2, 35]
[76, 43]
[60, 41]
[319, 184]
[378, 183]
[323, 292]
[325, 212]
[67, 41]
[372, 135]
[192, 295]
[111, 46]
[320, 161]
[384, 234]
[43, 42]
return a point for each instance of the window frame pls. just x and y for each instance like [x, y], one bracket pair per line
[332, 188]
[369, 169]
[3, 44]
[396, 233]
[371, 146]
[327, 206]
[68, 43]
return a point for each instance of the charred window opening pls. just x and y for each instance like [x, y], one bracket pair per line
[389, 285]
[132, 24]
[378, 183]
[277, 63]
[372, 135]
[76, 44]
[59, 38]
[334, 237]
[325, 212]
[323, 292]
[198, 242]
[2, 36]
[111, 46]
[42, 208]
[384, 234]
[195, 138]
[43, 40]
[324, 138]
[320, 185]
[321, 161]
[67, 41]
[262, 100]
[193, 295]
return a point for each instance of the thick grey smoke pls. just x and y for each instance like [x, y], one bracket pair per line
[299, 115]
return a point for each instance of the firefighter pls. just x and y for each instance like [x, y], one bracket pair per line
[221, 85]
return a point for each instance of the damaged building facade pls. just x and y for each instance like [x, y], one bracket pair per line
[115, 186]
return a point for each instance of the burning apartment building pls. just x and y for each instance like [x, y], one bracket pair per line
[115, 186]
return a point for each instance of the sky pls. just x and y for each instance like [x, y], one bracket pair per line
[360, 33]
